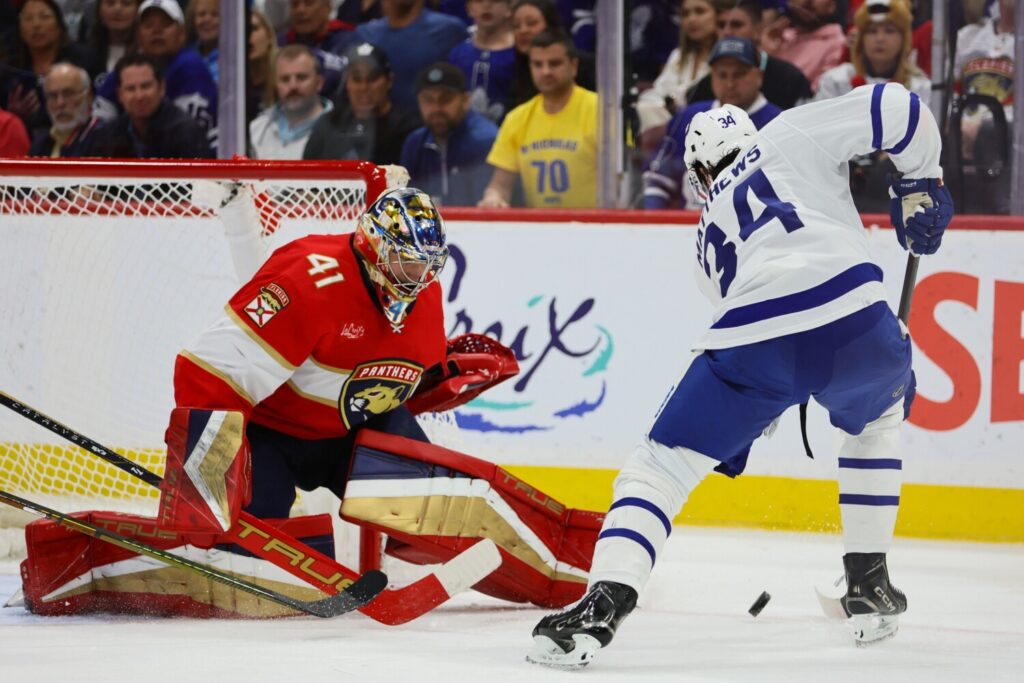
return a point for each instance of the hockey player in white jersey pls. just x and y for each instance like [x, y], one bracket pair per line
[800, 312]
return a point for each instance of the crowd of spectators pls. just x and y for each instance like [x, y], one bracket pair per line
[491, 102]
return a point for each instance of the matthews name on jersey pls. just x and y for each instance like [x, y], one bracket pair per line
[303, 348]
[770, 270]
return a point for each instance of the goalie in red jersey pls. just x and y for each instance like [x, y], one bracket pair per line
[310, 379]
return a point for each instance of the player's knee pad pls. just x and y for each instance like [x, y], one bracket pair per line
[649, 491]
[208, 474]
[434, 503]
[67, 572]
[878, 437]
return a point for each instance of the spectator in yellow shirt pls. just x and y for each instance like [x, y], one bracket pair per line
[550, 142]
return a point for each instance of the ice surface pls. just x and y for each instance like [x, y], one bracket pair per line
[965, 623]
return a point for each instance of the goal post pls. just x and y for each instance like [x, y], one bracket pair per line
[107, 269]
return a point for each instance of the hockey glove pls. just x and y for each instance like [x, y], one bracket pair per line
[920, 211]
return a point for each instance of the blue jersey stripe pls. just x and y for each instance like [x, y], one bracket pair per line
[631, 535]
[861, 499]
[876, 116]
[873, 464]
[646, 505]
[819, 295]
[915, 114]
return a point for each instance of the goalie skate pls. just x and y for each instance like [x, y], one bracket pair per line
[570, 639]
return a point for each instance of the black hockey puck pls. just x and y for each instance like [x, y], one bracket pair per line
[759, 604]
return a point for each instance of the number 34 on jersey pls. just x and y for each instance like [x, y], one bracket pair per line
[719, 239]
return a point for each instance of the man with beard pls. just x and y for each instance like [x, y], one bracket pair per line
[150, 127]
[549, 142]
[189, 85]
[807, 37]
[281, 131]
[68, 94]
[447, 157]
[368, 125]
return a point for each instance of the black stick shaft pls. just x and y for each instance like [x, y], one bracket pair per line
[909, 280]
[85, 442]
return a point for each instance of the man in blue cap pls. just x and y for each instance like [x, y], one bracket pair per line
[736, 79]
[447, 157]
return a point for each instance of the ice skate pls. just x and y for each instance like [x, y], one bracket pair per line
[872, 603]
[569, 640]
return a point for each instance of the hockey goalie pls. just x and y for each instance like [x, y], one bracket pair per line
[311, 378]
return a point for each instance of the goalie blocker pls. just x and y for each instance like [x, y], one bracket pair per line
[208, 476]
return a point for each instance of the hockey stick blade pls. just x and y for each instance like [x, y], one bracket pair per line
[356, 595]
[402, 605]
[831, 605]
[391, 607]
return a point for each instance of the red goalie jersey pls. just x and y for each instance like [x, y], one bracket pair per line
[304, 349]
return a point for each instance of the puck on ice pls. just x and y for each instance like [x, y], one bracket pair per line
[759, 604]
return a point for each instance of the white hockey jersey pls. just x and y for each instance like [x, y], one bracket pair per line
[780, 246]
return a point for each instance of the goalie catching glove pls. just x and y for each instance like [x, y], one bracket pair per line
[920, 210]
[474, 363]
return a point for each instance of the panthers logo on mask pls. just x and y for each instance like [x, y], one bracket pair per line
[375, 388]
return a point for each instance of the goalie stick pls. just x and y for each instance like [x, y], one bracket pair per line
[356, 595]
[391, 607]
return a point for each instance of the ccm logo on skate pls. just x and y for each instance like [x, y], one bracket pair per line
[885, 599]
[295, 557]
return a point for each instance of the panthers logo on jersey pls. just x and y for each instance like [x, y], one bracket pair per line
[375, 388]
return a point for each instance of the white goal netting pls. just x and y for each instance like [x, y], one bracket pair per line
[106, 271]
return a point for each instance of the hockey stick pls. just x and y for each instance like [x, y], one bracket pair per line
[909, 280]
[356, 595]
[390, 607]
[831, 606]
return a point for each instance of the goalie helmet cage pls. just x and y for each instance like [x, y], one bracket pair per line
[108, 268]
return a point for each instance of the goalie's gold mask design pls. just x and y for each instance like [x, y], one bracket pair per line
[401, 238]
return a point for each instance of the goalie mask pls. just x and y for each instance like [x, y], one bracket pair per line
[401, 238]
[710, 137]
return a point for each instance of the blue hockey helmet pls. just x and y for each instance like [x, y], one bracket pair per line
[401, 237]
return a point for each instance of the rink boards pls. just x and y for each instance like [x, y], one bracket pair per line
[601, 308]
[605, 311]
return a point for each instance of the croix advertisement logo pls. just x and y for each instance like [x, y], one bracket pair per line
[563, 351]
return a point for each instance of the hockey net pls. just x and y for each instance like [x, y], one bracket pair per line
[107, 270]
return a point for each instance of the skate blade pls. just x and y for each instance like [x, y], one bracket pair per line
[547, 652]
[870, 629]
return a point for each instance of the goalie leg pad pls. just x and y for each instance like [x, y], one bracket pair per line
[434, 503]
[208, 475]
[67, 572]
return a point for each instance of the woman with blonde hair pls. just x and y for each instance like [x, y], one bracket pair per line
[881, 52]
[260, 91]
[686, 66]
